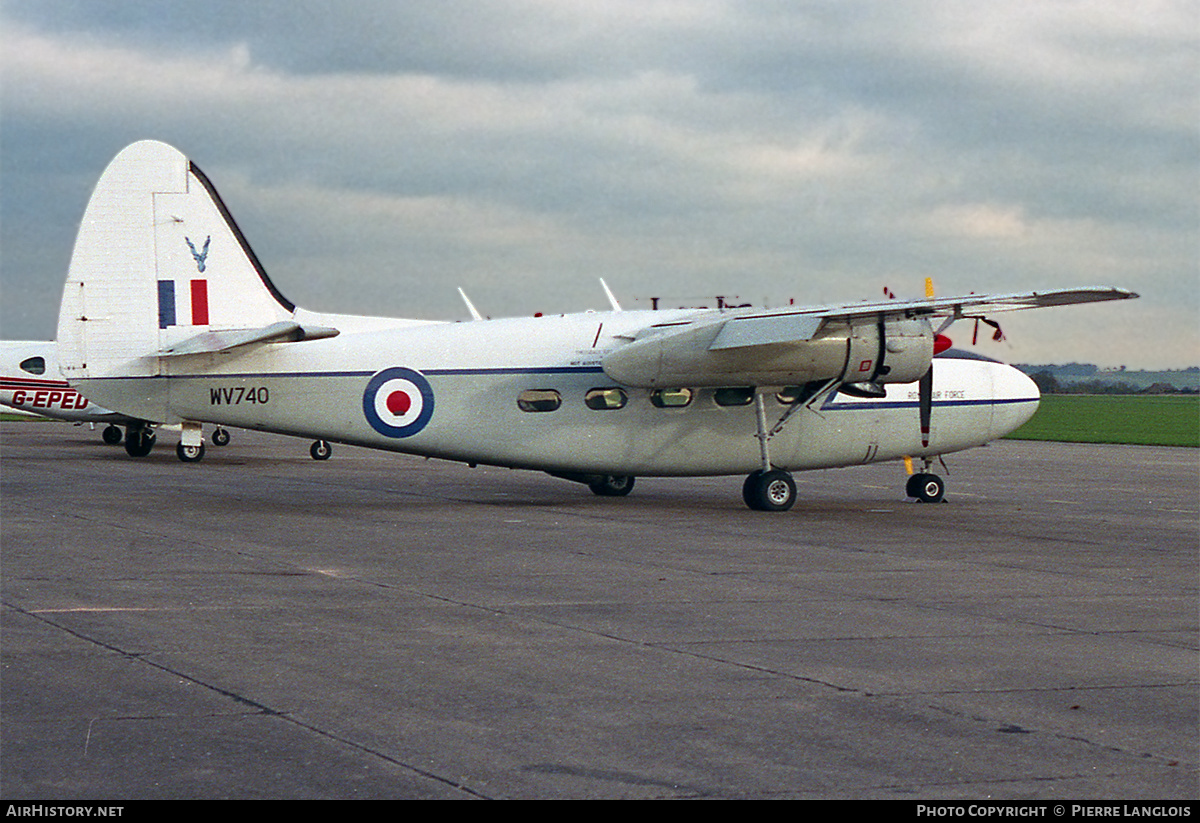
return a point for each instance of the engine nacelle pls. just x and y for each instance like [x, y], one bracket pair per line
[897, 351]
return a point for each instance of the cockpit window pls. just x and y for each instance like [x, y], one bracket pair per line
[34, 365]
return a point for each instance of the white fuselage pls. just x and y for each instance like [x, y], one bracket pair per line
[30, 381]
[466, 380]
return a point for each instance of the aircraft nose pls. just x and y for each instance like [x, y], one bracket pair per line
[1016, 400]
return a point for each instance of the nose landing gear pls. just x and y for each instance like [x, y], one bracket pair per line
[927, 488]
[924, 486]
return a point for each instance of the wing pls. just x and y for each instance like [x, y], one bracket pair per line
[803, 324]
[887, 341]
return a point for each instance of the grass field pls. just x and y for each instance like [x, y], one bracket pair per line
[1145, 420]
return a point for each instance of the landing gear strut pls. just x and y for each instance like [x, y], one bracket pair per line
[768, 489]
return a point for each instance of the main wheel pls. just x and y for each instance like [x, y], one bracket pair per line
[220, 437]
[612, 485]
[111, 434]
[927, 488]
[320, 450]
[139, 441]
[769, 491]
[190, 454]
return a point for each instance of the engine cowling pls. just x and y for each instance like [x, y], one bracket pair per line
[898, 351]
[893, 352]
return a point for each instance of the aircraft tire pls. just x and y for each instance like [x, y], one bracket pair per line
[611, 485]
[220, 437]
[139, 442]
[320, 450]
[111, 434]
[190, 454]
[769, 491]
[926, 488]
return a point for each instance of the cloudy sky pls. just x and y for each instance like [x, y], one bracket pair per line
[379, 154]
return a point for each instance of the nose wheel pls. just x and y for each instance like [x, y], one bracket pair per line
[925, 487]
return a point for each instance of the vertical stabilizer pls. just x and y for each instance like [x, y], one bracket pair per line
[158, 260]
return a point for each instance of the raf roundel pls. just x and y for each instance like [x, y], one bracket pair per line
[398, 402]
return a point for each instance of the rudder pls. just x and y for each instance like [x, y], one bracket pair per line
[158, 260]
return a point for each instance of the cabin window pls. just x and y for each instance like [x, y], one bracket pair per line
[34, 365]
[607, 398]
[671, 398]
[539, 400]
[735, 396]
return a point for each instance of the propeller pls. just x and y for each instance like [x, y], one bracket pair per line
[925, 385]
[925, 388]
[940, 343]
[925, 392]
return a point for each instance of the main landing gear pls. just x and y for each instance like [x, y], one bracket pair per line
[605, 485]
[769, 490]
[194, 452]
[610, 485]
[139, 439]
[190, 454]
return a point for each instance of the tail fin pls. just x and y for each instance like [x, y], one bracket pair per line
[158, 262]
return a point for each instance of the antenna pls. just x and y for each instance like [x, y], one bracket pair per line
[470, 306]
[612, 300]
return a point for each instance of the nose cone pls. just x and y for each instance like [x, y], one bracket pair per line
[1016, 400]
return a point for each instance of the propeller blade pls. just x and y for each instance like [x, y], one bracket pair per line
[925, 387]
[925, 394]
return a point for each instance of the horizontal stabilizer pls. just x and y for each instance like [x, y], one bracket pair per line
[211, 342]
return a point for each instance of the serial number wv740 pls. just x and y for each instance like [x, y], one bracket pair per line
[236, 395]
